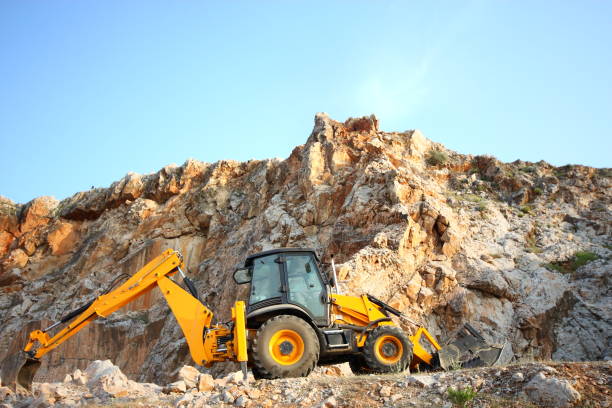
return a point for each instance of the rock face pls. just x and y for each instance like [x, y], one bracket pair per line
[446, 238]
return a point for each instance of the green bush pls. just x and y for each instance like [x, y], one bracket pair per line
[554, 266]
[482, 206]
[579, 259]
[582, 258]
[473, 198]
[528, 169]
[460, 397]
[436, 158]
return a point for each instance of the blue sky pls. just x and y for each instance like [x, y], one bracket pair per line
[90, 90]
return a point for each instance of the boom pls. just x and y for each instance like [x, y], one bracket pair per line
[207, 344]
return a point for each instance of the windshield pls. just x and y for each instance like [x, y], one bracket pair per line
[266, 282]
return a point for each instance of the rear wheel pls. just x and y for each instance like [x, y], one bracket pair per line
[387, 350]
[358, 365]
[284, 346]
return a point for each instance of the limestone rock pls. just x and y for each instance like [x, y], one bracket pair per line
[241, 401]
[424, 381]
[78, 377]
[205, 382]
[177, 386]
[385, 391]
[330, 402]
[189, 375]
[106, 378]
[63, 238]
[551, 392]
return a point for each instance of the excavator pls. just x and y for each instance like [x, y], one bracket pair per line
[294, 319]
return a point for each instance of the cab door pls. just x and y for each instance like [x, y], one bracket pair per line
[305, 287]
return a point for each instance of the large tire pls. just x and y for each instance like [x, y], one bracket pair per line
[284, 346]
[358, 365]
[387, 350]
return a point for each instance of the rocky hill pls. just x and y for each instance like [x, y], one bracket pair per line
[520, 250]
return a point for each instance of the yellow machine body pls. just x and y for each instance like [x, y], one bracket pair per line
[279, 341]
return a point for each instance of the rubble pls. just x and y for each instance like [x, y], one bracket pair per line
[547, 385]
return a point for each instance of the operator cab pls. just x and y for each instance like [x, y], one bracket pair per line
[285, 278]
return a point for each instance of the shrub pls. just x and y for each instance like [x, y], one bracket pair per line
[554, 266]
[582, 258]
[579, 259]
[436, 158]
[528, 169]
[532, 246]
[460, 397]
[473, 198]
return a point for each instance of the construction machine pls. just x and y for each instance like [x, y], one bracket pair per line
[294, 319]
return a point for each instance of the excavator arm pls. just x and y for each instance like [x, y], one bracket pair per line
[207, 344]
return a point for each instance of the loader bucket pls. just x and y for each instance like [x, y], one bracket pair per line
[469, 349]
[18, 371]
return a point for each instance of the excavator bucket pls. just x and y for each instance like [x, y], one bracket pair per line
[469, 349]
[18, 371]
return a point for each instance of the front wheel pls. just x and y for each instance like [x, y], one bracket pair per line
[387, 350]
[284, 346]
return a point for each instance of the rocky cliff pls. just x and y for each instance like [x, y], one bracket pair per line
[520, 250]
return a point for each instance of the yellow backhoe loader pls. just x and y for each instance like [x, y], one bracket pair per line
[293, 321]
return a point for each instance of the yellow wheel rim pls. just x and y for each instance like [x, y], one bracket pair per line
[286, 347]
[388, 349]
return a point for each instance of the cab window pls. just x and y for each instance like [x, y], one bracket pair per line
[266, 282]
[305, 285]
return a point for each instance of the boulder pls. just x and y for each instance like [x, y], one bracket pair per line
[177, 386]
[189, 375]
[78, 377]
[551, 392]
[206, 383]
[424, 381]
[106, 378]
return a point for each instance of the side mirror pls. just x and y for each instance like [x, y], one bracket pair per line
[242, 275]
